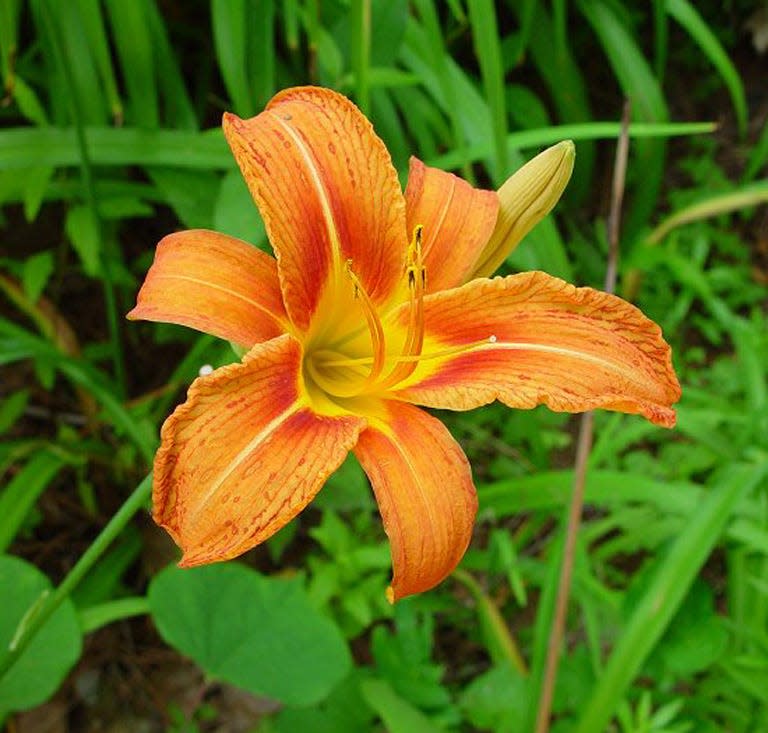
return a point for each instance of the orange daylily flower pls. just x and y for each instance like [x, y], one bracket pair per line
[375, 302]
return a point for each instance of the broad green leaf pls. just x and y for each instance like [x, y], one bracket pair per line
[39, 671]
[252, 631]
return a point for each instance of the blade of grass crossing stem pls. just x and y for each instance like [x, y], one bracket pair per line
[485, 36]
[90, 197]
[230, 21]
[22, 491]
[96, 34]
[176, 102]
[656, 608]
[688, 17]
[10, 12]
[261, 59]
[648, 105]
[439, 61]
[137, 60]
[360, 23]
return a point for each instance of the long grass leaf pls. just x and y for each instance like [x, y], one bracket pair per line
[96, 34]
[648, 105]
[22, 492]
[25, 147]
[137, 59]
[526, 139]
[229, 19]
[485, 36]
[261, 51]
[176, 104]
[690, 19]
[360, 27]
[10, 14]
[675, 573]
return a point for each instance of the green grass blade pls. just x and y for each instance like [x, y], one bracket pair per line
[660, 39]
[433, 50]
[360, 22]
[758, 157]
[688, 17]
[22, 491]
[658, 605]
[19, 344]
[560, 72]
[648, 105]
[26, 147]
[137, 59]
[544, 136]
[77, 79]
[485, 36]
[177, 106]
[261, 56]
[230, 25]
[10, 14]
[96, 34]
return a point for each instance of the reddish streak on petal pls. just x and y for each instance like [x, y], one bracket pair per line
[327, 191]
[423, 485]
[458, 220]
[540, 340]
[216, 284]
[244, 455]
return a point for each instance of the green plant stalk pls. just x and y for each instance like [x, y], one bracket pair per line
[501, 643]
[36, 620]
[361, 52]
[90, 196]
[659, 604]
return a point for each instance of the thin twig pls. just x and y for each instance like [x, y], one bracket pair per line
[583, 447]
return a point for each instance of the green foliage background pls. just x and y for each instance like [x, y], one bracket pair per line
[110, 139]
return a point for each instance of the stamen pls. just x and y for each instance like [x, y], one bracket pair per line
[414, 340]
[375, 329]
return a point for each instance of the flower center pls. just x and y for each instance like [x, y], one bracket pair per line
[353, 366]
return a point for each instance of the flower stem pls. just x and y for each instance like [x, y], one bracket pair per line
[35, 621]
[583, 447]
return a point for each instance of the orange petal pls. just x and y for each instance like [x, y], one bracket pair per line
[216, 284]
[458, 221]
[423, 485]
[244, 455]
[533, 339]
[328, 193]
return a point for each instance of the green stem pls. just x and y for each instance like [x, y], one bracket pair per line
[90, 196]
[36, 620]
[501, 643]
